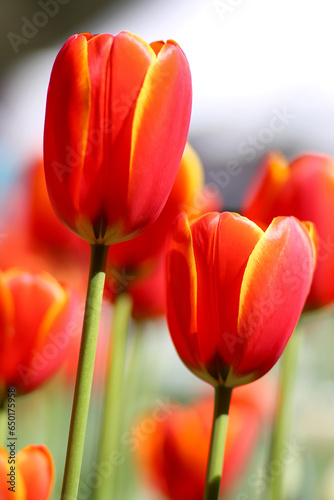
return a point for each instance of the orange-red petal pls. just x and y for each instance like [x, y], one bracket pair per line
[275, 285]
[222, 245]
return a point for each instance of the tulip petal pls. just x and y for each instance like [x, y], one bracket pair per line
[181, 296]
[36, 467]
[38, 303]
[163, 109]
[64, 151]
[131, 57]
[113, 96]
[311, 198]
[19, 485]
[276, 283]
[261, 196]
[6, 320]
[26, 291]
[222, 245]
[93, 176]
[186, 456]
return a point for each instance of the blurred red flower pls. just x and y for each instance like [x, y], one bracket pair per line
[37, 327]
[304, 188]
[34, 474]
[173, 458]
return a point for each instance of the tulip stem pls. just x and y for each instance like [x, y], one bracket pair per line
[3, 425]
[283, 417]
[83, 385]
[217, 445]
[109, 450]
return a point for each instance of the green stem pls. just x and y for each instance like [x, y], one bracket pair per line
[283, 417]
[113, 408]
[217, 445]
[84, 378]
[3, 425]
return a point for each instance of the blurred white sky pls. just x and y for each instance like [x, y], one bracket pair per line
[246, 57]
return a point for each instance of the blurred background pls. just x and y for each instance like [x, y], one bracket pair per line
[263, 79]
[262, 72]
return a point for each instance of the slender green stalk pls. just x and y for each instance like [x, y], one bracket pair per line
[3, 425]
[217, 445]
[113, 408]
[3, 395]
[283, 418]
[84, 378]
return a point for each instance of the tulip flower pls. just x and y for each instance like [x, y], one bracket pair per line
[116, 124]
[235, 293]
[234, 296]
[305, 189]
[173, 457]
[31, 477]
[36, 328]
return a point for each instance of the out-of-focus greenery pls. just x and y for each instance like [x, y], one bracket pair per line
[44, 416]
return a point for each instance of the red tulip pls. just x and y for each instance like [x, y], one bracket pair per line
[235, 293]
[138, 254]
[33, 474]
[36, 319]
[117, 119]
[173, 457]
[305, 189]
